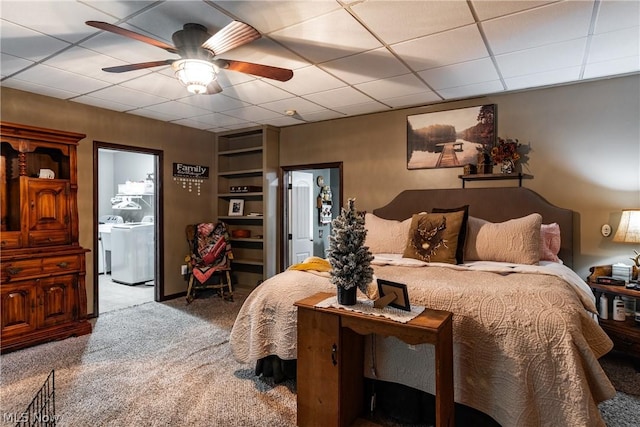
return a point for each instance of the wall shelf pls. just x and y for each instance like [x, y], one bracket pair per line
[495, 177]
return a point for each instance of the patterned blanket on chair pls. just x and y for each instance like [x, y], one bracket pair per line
[211, 251]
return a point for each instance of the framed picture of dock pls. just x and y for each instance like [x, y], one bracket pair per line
[451, 138]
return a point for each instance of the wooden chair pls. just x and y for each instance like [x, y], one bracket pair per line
[209, 259]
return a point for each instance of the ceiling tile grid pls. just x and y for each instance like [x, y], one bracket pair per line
[348, 57]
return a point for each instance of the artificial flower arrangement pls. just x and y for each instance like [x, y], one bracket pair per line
[506, 150]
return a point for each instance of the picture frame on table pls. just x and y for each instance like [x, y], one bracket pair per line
[397, 291]
[236, 207]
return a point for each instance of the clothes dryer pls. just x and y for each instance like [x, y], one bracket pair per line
[132, 253]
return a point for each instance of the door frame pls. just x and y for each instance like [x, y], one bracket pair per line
[158, 217]
[282, 201]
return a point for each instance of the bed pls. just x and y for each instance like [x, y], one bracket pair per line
[526, 337]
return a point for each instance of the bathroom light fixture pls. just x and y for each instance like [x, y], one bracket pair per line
[629, 230]
[195, 74]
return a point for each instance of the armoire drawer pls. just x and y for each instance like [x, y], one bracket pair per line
[49, 238]
[10, 240]
[17, 270]
[59, 264]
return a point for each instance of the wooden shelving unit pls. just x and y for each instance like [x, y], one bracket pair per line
[249, 157]
[625, 335]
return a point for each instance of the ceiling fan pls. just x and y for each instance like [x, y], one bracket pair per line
[199, 64]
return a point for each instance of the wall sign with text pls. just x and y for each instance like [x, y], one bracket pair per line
[190, 175]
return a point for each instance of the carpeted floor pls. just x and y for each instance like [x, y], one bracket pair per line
[169, 364]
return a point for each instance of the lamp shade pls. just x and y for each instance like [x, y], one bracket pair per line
[195, 74]
[629, 228]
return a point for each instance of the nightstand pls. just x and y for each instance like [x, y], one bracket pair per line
[625, 335]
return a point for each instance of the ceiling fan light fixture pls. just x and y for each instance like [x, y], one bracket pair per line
[195, 74]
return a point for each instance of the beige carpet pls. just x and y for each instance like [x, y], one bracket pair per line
[169, 364]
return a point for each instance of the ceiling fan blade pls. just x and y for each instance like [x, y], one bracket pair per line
[275, 73]
[231, 36]
[138, 66]
[132, 35]
[213, 88]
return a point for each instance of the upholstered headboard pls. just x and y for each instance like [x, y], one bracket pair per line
[491, 204]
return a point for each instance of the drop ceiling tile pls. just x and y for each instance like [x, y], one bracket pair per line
[437, 50]
[156, 115]
[553, 23]
[192, 124]
[396, 21]
[612, 67]
[283, 121]
[465, 73]
[317, 40]
[256, 92]
[102, 103]
[268, 16]
[546, 78]
[208, 119]
[614, 45]
[541, 59]
[218, 102]
[128, 96]
[393, 87]
[228, 121]
[60, 79]
[89, 63]
[617, 14]
[40, 89]
[10, 64]
[253, 113]
[372, 65]
[28, 44]
[178, 110]
[322, 115]
[300, 105]
[159, 85]
[487, 9]
[309, 80]
[476, 89]
[119, 9]
[363, 108]
[414, 99]
[338, 97]
[125, 49]
[44, 17]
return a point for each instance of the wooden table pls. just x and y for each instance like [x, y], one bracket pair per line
[330, 367]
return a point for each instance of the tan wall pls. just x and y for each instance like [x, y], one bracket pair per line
[585, 154]
[178, 143]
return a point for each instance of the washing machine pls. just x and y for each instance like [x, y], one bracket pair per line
[132, 253]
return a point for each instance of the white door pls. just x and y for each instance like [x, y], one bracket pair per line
[302, 210]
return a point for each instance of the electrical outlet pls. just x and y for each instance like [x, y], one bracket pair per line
[183, 269]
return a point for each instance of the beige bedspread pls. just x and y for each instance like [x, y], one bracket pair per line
[525, 345]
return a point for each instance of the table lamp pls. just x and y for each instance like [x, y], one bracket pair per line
[629, 231]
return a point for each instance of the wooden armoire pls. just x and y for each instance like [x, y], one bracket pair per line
[42, 276]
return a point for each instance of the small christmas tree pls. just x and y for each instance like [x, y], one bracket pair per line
[350, 259]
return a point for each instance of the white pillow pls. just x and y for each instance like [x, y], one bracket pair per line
[516, 240]
[386, 236]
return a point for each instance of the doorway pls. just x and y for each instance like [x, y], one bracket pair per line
[312, 197]
[127, 226]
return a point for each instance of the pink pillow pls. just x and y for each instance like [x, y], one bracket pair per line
[549, 242]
